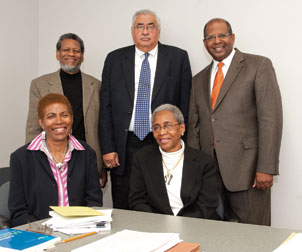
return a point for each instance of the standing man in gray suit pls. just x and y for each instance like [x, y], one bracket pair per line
[236, 116]
[82, 90]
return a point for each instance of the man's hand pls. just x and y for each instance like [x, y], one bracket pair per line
[103, 177]
[111, 160]
[263, 181]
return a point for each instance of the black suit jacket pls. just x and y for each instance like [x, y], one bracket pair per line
[199, 192]
[33, 187]
[172, 84]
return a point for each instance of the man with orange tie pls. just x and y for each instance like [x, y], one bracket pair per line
[236, 116]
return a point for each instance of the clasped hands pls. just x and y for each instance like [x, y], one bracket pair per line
[111, 160]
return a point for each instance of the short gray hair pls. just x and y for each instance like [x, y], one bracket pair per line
[169, 107]
[70, 36]
[145, 12]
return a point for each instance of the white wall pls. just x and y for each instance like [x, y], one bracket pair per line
[18, 64]
[271, 28]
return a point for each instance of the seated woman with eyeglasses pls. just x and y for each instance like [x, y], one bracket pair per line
[55, 169]
[173, 178]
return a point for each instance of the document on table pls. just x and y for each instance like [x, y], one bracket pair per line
[80, 225]
[293, 244]
[133, 241]
[76, 211]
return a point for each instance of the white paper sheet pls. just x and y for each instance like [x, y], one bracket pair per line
[293, 245]
[79, 225]
[133, 241]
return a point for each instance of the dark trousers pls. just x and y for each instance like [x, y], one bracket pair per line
[251, 206]
[120, 185]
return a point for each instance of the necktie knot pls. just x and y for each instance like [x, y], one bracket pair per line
[220, 65]
[147, 55]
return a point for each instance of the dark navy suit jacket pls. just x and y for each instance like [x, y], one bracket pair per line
[172, 84]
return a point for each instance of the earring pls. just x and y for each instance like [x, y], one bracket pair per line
[43, 135]
[182, 134]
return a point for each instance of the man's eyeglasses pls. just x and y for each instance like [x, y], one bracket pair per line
[141, 27]
[67, 50]
[167, 127]
[220, 36]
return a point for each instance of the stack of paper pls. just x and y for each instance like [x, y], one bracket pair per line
[132, 241]
[79, 220]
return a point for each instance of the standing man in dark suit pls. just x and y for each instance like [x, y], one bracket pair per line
[137, 79]
[236, 115]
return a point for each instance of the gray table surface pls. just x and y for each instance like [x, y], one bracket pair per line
[213, 236]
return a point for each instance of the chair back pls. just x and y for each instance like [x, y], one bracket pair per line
[4, 190]
[4, 175]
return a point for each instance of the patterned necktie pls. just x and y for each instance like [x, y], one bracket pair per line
[217, 84]
[142, 120]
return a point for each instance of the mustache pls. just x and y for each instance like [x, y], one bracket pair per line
[71, 69]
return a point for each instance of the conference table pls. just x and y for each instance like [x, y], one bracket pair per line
[213, 236]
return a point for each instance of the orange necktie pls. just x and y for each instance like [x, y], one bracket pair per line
[217, 84]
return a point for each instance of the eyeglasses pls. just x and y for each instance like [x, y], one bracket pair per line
[67, 50]
[36, 228]
[220, 36]
[167, 127]
[141, 27]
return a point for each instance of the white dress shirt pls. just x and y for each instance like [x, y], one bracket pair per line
[227, 62]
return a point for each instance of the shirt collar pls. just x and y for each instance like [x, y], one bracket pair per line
[38, 143]
[227, 61]
[178, 152]
[153, 52]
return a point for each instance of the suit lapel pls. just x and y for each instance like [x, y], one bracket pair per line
[162, 67]
[189, 173]
[72, 161]
[55, 84]
[206, 88]
[128, 68]
[157, 177]
[235, 68]
[88, 92]
[44, 163]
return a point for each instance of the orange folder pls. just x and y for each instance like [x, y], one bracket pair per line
[185, 247]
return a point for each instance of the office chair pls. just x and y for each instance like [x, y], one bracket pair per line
[4, 189]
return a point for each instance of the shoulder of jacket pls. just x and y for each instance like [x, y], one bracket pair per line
[46, 76]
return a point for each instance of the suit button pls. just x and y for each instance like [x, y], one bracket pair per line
[126, 130]
[213, 119]
[129, 112]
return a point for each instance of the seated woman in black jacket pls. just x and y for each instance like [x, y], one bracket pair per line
[173, 178]
[55, 169]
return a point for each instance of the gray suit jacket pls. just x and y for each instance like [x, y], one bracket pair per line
[51, 83]
[246, 122]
